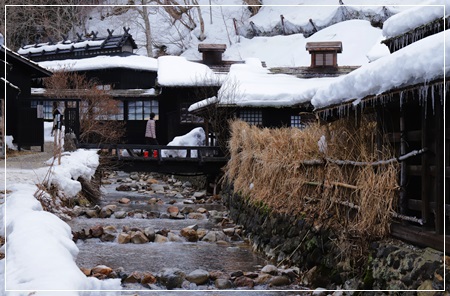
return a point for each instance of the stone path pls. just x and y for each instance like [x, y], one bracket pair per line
[11, 168]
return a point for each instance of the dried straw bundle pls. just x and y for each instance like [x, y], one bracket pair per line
[285, 169]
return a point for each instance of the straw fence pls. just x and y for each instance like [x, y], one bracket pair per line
[331, 174]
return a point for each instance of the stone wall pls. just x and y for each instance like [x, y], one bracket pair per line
[292, 241]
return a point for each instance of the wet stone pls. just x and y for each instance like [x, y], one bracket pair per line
[124, 200]
[101, 269]
[91, 213]
[198, 276]
[134, 277]
[120, 214]
[172, 278]
[199, 195]
[107, 211]
[280, 280]
[96, 231]
[160, 239]
[138, 238]
[270, 269]
[190, 234]
[172, 237]
[217, 274]
[196, 216]
[109, 234]
[123, 188]
[223, 284]
[148, 278]
[150, 233]
[123, 238]
[243, 281]
[86, 271]
[173, 210]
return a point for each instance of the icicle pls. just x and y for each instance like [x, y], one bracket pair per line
[401, 99]
[432, 97]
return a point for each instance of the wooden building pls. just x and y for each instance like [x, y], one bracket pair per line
[23, 122]
[259, 108]
[411, 118]
[110, 62]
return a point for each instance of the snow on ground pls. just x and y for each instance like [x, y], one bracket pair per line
[40, 252]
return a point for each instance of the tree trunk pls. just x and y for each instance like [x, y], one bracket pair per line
[148, 32]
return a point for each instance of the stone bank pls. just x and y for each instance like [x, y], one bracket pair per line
[292, 241]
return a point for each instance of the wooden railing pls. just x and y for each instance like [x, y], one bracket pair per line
[162, 158]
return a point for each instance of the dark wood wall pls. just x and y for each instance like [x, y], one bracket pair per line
[171, 101]
[414, 125]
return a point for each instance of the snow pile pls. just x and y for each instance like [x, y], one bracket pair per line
[40, 252]
[178, 71]
[420, 62]
[9, 143]
[415, 17]
[80, 163]
[195, 137]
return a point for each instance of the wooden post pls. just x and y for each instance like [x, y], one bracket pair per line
[439, 162]
[425, 170]
[282, 24]
[379, 135]
[2, 130]
[403, 166]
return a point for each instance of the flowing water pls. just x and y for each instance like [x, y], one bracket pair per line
[153, 257]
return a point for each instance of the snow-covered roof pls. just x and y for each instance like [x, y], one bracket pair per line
[414, 17]
[37, 70]
[84, 44]
[357, 37]
[420, 62]
[135, 62]
[123, 93]
[251, 85]
[178, 71]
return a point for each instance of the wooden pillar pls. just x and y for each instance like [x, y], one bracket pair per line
[403, 167]
[439, 162]
[425, 192]
[206, 126]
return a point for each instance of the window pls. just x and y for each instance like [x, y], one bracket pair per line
[296, 121]
[324, 59]
[251, 116]
[47, 107]
[186, 117]
[140, 110]
[109, 112]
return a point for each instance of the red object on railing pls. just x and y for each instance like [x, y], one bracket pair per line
[155, 153]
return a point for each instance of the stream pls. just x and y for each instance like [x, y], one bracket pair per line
[165, 209]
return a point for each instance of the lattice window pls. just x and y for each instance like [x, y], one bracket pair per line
[251, 116]
[140, 110]
[324, 59]
[296, 121]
